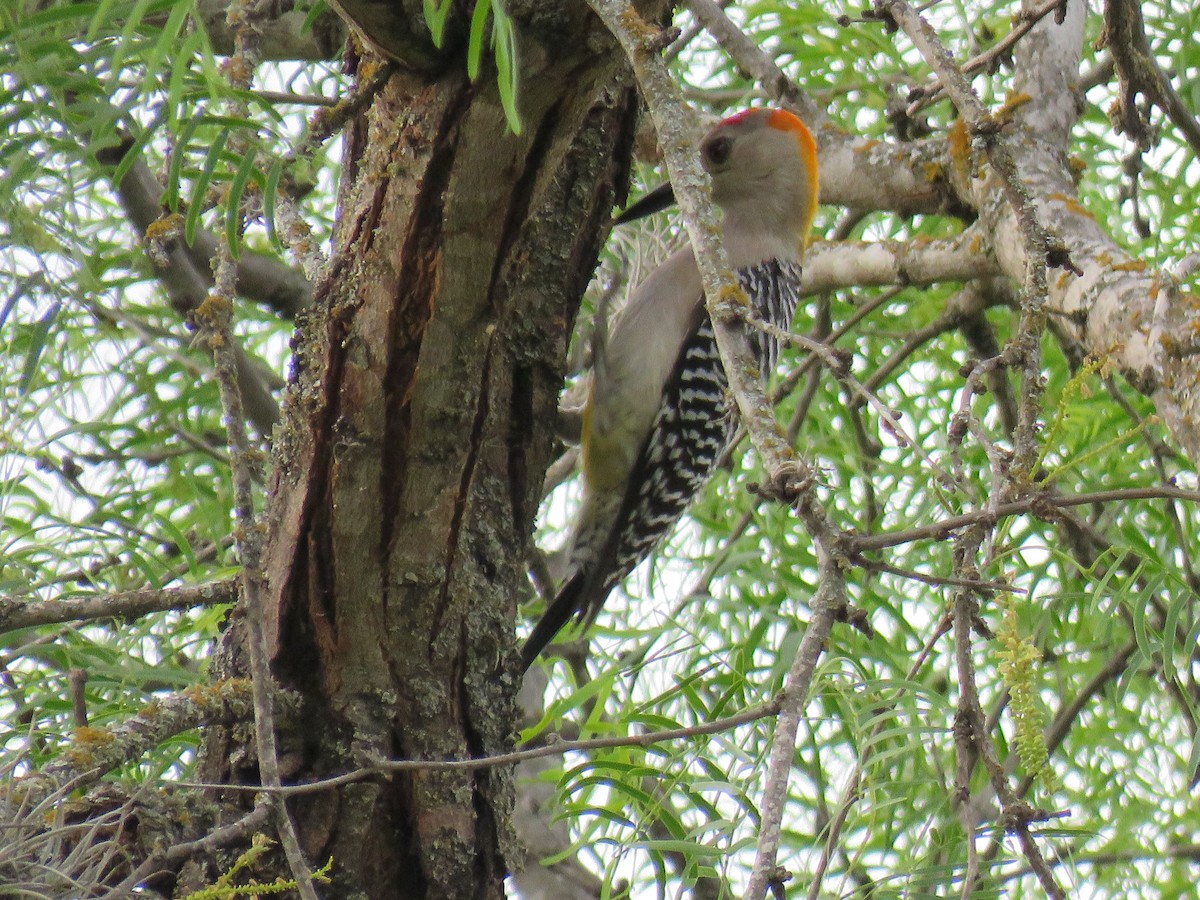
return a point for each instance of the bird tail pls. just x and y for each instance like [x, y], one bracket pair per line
[565, 605]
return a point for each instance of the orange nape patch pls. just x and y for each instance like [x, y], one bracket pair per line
[782, 120]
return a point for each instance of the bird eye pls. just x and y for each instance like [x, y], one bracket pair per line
[717, 150]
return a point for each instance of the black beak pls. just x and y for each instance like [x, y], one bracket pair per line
[657, 200]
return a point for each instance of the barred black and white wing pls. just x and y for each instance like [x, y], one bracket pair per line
[692, 428]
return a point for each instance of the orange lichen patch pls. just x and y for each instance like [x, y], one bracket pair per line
[231, 690]
[1132, 265]
[86, 741]
[1012, 102]
[1070, 203]
[866, 145]
[639, 28]
[370, 66]
[165, 227]
[1105, 259]
[976, 244]
[88, 735]
[212, 306]
[197, 692]
[934, 172]
[1063, 280]
[959, 142]
[733, 293]
[1077, 165]
[150, 710]
[237, 69]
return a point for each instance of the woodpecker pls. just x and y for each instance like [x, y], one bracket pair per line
[658, 416]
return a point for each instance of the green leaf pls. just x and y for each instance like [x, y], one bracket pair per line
[476, 44]
[233, 203]
[314, 13]
[178, 84]
[38, 340]
[507, 70]
[196, 207]
[270, 197]
[178, 157]
[134, 153]
[435, 18]
[100, 19]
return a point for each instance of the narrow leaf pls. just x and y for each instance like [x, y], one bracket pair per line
[37, 345]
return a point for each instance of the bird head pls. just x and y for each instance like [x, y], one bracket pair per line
[763, 164]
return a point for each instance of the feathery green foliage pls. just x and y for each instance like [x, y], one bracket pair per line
[113, 476]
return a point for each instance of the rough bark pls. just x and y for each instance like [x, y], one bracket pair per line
[416, 435]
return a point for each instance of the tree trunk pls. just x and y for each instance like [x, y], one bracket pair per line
[417, 430]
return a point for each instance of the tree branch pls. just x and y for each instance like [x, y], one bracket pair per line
[215, 321]
[260, 278]
[96, 751]
[829, 266]
[1139, 72]
[1037, 246]
[187, 286]
[176, 854]
[922, 96]
[285, 34]
[127, 605]
[553, 746]
[1034, 502]
[750, 58]
[856, 172]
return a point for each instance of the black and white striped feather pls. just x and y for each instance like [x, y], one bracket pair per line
[692, 428]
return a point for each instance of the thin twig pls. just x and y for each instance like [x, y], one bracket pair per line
[751, 59]
[296, 99]
[839, 365]
[790, 477]
[1154, 855]
[216, 320]
[921, 97]
[850, 794]
[1139, 72]
[974, 584]
[689, 34]
[552, 747]
[943, 529]
[95, 753]
[295, 233]
[829, 602]
[221, 837]
[1025, 348]
[970, 730]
